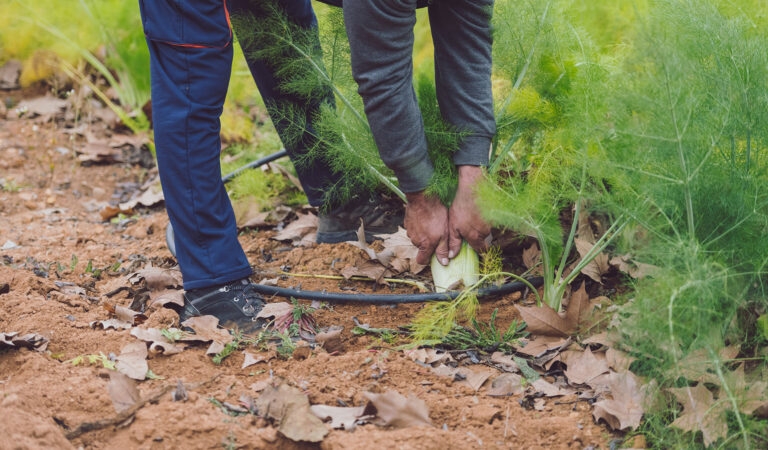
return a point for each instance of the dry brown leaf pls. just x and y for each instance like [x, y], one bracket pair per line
[635, 269]
[442, 370]
[157, 278]
[751, 395]
[403, 252]
[532, 257]
[298, 230]
[30, 340]
[251, 359]
[42, 106]
[618, 360]
[151, 196]
[505, 385]
[398, 254]
[132, 360]
[547, 389]
[579, 308]
[207, 330]
[625, 409]
[544, 321]
[330, 339]
[701, 413]
[395, 410]
[289, 407]
[340, 418]
[276, 309]
[539, 345]
[698, 365]
[159, 299]
[599, 265]
[115, 324]
[369, 269]
[474, 379]
[123, 392]
[428, 355]
[159, 344]
[581, 369]
[506, 362]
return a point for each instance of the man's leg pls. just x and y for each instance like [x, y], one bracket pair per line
[291, 114]
[190, 58]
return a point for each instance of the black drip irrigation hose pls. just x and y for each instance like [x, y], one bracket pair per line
[253, 164]
[383, 299]
[335, 297]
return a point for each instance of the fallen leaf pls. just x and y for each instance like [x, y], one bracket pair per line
[289, 407]
[579, 308]
[543, 320]
[150, 196]
[628, 265]
[157, 278]
[618, 360]
[132, 360]
[581, 369]
[124, 314]
[42, 106]
[538, 346]
[547, 389]
[505, 385]
[395, 410]
[751, 395]
[251, 359]
[158, 342]
[368, 269]
[30, 340]
[428, 355]
[330, 339]
[532, 257]
[599, 265]
[299, 229]
[115, 324]
[701, 413]
[625, 409]
[207, 330]
[341, 418]
[276, 309]
[123, 392]
[474, 379]
[506, 362]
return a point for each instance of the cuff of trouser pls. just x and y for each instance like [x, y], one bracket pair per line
[473, 152]
[415, 177]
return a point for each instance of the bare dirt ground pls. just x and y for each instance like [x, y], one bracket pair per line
[65, 268]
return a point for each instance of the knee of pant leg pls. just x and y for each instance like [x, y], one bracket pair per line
[189, 24]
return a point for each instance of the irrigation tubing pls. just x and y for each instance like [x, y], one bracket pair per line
[335, 297]
[384, 299]
[253, 164]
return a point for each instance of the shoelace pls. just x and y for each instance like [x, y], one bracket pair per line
[253, 300]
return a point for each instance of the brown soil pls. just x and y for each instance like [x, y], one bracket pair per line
[50, 206]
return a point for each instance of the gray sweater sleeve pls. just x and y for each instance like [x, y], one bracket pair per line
[381, 39]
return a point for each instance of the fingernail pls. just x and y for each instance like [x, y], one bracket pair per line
[444, 261]
[451, 254]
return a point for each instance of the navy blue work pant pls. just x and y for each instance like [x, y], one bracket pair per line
[190, 47]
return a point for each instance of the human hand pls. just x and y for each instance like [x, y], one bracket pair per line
[426, 223]
[464, 219]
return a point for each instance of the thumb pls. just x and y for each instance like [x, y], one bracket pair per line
[441, 252]
[454, 243]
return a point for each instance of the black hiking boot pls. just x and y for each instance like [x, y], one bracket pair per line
[379, 214]
[235, 304]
